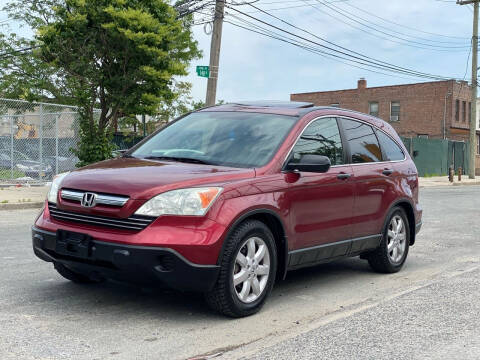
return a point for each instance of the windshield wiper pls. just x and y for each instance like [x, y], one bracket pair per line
[180, 159]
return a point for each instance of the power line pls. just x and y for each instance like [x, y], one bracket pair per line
[16, 51]
[386, 38]
[366, 23]
[295, 1]
[369, 61]
[287, 40]
[466, 71]
[401, 25]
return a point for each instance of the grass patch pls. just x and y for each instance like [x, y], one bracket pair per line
[7, 174]
[4, 202]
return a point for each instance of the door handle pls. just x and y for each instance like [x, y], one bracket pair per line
[387, 172]
[343, 176]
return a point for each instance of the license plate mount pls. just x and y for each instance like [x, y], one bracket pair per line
[73, 244]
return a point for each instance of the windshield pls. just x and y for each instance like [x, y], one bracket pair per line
[237, 139]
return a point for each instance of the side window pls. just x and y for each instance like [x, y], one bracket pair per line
[321, 137]
[363, 143]
[390, 148]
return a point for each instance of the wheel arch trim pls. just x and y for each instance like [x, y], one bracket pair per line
[282, 268]
[410, 216]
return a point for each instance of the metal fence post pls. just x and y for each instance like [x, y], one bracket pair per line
[56, 144]
[11, 147]
[41, 142]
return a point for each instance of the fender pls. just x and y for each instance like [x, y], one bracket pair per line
[412, 228]
[248, 213]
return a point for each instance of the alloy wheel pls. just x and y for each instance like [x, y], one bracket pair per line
[396, 239]
[251, 269]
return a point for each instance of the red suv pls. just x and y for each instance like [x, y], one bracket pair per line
[227, 199]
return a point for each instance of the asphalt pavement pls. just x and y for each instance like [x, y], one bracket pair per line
[342, 310]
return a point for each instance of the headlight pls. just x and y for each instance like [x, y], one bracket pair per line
[193, 201]
[53, 193]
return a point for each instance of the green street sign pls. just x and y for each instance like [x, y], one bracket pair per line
[203, 71]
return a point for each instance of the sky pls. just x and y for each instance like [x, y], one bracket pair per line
[255, 67]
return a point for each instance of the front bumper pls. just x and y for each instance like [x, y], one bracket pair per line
[138, 264]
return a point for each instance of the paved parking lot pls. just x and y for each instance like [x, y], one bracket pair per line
[341, 310]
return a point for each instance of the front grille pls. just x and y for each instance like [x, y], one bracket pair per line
[105, 199]
[134, 222]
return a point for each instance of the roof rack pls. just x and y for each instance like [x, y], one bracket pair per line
[275, 104]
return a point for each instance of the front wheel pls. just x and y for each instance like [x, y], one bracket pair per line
[390, 256]
[247, 271]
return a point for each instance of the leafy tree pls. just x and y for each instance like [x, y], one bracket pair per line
[196, 105]
[119, 56]
[23, 75]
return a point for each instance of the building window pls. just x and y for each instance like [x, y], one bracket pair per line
[373, 108]
[422, 136]
[395, 111]
[457, 110]
[478, 144]
[335, 105]
[464, 111]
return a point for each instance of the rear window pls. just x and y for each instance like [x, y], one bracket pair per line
[363, 143]
[237, 139]
[390, 148]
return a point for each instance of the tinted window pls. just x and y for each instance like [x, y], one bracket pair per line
[238, 139]
[390, 148]
[321, 137]
[363, 142]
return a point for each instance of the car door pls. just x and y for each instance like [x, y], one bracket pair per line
[321, 203]
[373, 180]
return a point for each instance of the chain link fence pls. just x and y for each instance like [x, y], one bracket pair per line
[36, 140]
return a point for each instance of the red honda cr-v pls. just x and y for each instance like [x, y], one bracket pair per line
[227, 199]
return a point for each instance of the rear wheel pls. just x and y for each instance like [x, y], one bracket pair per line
[390, 256]
[74, 276]
[247, 272]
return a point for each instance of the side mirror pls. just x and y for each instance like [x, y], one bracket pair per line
[119, 153]
[310, 163]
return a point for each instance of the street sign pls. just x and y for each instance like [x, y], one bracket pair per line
[203, 71]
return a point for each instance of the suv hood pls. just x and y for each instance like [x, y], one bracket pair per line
[142, 179]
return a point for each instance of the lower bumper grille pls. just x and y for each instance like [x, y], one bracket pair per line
[135, 222]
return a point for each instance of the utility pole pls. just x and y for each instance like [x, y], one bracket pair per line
[215, 52]
[473, 120]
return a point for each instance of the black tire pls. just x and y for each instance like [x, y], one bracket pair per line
[380, 260]
[223, 297]
[73, 276]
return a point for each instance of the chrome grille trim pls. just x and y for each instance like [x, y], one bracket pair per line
[134, 222]
[76, 195]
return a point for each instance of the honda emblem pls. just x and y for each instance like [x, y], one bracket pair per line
[89, 199]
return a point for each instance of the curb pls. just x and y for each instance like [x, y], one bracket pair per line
[450, 184]
[21, 206]
[466, 184]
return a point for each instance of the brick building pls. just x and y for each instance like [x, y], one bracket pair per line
[433, 109]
